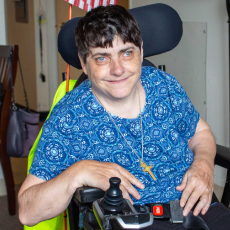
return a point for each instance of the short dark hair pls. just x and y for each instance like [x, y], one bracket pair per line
[100, 25]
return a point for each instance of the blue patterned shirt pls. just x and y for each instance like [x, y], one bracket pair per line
[79, 128]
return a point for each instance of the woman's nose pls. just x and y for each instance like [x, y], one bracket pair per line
[117, 68]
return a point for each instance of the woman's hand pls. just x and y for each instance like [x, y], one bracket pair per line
[197, 183]
[97, 174]
[198, 180]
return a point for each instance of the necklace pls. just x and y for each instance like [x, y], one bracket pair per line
[147, 168]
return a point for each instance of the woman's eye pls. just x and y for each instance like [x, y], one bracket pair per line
[101, 59]
[128, 53]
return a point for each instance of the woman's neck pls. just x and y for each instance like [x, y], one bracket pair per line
[128, 107]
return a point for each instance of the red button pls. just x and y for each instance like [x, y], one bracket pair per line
[157, 210]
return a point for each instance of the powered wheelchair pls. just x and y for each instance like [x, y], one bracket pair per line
[91, 208]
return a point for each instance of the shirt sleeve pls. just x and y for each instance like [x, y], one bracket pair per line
[53, 153]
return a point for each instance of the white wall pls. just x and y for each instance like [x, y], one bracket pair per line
[2, 42]
[46, 90]
[2, 23]
[214, 13]
[52, 50]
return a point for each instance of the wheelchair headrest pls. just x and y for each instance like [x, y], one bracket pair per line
[161, 31]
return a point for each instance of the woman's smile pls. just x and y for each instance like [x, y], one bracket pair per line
[119, 81]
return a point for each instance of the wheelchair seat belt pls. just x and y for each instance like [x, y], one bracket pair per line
[174, 213]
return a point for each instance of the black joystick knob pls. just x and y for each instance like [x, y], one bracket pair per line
[113, 195]
[113, 201]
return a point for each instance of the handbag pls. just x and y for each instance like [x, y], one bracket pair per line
[23, 126]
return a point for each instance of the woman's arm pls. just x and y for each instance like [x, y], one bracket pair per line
[40, 200]
[198, 180]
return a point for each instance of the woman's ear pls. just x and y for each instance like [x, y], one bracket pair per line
[83, 64]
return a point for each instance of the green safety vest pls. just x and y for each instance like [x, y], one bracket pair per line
[56, 223]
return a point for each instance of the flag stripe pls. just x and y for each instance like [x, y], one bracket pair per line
[96, 4]
[76, 2]
[81, 4]
[85, 5]
[90, 4]
[71, 2]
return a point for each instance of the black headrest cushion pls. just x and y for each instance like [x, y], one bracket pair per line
[161, 31]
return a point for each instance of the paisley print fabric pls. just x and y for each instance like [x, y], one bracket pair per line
[79, 128]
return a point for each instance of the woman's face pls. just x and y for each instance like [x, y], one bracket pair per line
[114, 71]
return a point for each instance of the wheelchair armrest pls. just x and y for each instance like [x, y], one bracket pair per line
[222, 156]
[82, 203]
[87, 194]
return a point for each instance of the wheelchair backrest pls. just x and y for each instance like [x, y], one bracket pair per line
[160, 25]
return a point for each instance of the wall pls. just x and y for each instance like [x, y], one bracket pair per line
[2, 23]
[46, 90]
[214, 13]
[124, 3]
[22, 34]
[2, 42]
[26, 35]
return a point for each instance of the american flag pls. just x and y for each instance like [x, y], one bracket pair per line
[87, 5]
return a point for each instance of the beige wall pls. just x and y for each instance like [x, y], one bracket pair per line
[22, 34]
[124, 3]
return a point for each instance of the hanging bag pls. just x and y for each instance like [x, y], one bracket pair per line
[23, 126]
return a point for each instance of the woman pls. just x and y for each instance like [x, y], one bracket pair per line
[126, 121]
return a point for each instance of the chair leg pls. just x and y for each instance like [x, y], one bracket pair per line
[9, 180]
[226, 194]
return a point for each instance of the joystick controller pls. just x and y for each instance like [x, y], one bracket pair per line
[114, 212]
[113, 202]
